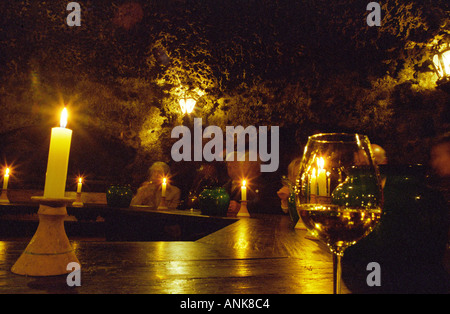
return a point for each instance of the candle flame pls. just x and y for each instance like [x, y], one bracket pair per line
[164, 180]
[320, 163]
[244, 182]
[7, 172]
[63, 121]
[79, 180]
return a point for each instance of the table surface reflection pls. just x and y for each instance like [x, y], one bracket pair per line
[262, 255]
[252, 255]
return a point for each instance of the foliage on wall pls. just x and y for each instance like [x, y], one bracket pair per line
[307, 66]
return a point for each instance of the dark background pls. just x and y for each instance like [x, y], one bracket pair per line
[306, 66]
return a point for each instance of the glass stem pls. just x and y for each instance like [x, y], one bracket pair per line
[337, 270]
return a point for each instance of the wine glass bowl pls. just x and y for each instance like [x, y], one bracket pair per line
[338, 191]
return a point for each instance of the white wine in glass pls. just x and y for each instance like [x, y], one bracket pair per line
[338, 192]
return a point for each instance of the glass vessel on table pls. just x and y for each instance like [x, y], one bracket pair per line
[338, 192]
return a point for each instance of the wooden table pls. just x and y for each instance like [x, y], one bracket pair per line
[252, 255]
[262, 255]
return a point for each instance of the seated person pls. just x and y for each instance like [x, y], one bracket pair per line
[440, 164]
[379, 154]
[240, 168]
[440, 156]
[260, 189]
[149, 193]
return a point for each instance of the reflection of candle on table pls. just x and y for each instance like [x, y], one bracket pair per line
[164, 186]
[6, 179]
[79, 185]
[321, 177]
[58, 159]
[243, 191]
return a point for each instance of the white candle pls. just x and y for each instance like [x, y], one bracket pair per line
[313, 187]
[164, 186]
[79, 185]
[58, 159]
[328, 184]
[6, 179]
[243, 191]
[321, 177]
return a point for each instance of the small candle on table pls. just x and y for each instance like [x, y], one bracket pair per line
[79, 185]
[243, 191]
[58, 159]
[321, 177]
[164, 186]
[6, 179]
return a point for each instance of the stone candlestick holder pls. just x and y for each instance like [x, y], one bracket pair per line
[243, 211]
[49, 251]
[162, 204]
[78, 202]
[4, 197]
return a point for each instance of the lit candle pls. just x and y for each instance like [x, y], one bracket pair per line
[6, 179]
[164, 186]
[58, 159]
[243, 191]
[79, 185]
[313, 187]
[321, 177]
[308, 187]
[328, 184]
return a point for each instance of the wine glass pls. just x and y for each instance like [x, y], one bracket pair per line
[338, 192]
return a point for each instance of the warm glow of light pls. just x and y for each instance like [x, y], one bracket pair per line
[242, 244]
[187, 105]
[320, 163]
[244, 191]
[63, 120]
[442, 64]
[80, 180]
[164, 180]
[6, 179]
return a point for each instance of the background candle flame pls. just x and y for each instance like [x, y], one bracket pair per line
[243, 191]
